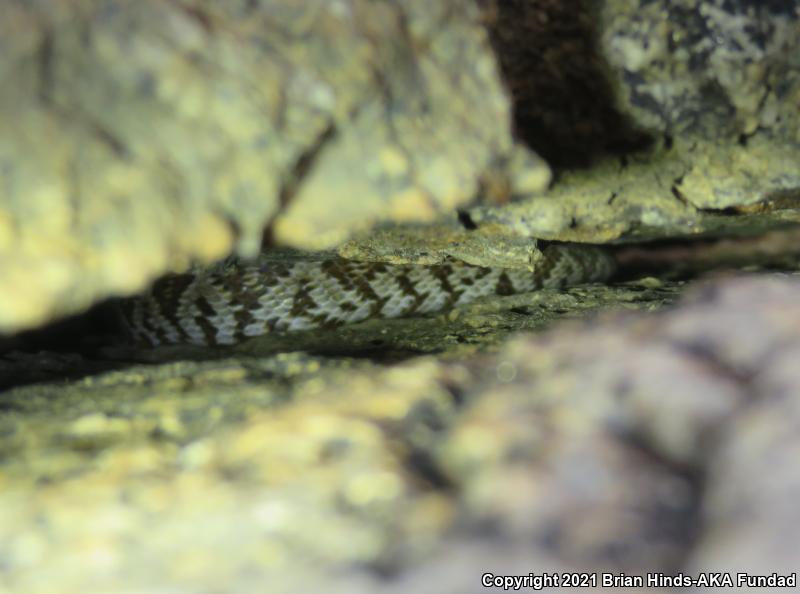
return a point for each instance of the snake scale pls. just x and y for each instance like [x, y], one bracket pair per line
[236, 299]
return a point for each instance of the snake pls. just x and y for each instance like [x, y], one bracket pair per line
[237, 299]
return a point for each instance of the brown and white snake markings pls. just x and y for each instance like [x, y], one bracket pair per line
[237, 299]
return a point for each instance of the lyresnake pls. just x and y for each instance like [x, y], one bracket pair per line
[237, 299]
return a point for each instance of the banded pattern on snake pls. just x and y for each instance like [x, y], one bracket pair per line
[237, 299]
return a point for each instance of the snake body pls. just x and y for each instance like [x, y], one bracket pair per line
[237, 299]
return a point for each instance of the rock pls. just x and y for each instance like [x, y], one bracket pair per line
[413, 454]
[630, 443]
[712, 87]
[138, 137]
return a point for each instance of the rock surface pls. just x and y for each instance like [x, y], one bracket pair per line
[414, 454]
[139, 136]
[632, 443]
[706, 90]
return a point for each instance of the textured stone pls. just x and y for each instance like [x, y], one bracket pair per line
[139, 136]
[707, 91]
[706, 69]
[630, 443]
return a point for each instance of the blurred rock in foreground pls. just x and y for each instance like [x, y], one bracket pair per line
[663, 442]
